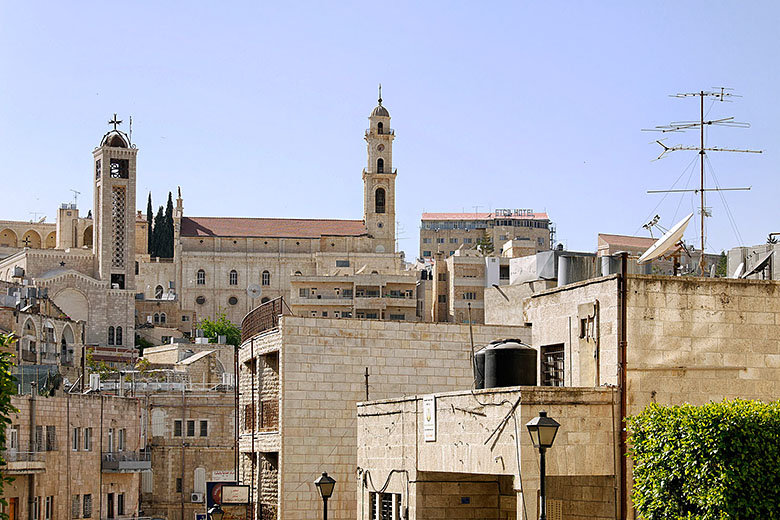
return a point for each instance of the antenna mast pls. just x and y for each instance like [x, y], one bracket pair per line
[718, 94]
[76, 194]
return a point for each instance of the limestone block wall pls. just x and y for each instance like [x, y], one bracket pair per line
[475, 443]
[178, 457]
[72, 472]
[698, 340]
[555, 315]
[322, 367]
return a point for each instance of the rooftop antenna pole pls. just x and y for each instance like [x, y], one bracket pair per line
[130, 135]
[718, 94]
[76, 194]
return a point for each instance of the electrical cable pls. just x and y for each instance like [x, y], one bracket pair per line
[646, 219]
[730, 216]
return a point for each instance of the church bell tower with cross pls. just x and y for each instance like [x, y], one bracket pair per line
[379, 180]
[114, 208]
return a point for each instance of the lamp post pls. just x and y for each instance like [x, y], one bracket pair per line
[325, 485]
[216, 513]
[542, 430]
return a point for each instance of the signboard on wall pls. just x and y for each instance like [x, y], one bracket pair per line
[223, 475]
[235, 494]
[429, 418]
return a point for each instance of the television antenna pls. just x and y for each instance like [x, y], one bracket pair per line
[722, 94]
[76, 194]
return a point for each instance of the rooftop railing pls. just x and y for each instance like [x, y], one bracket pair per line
[263, 317]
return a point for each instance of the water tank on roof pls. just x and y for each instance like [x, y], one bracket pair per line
[509, 362]
[479, 368]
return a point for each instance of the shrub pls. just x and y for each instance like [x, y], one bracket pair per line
[716, 461]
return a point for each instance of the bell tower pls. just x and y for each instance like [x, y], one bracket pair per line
[114, 209]
[379, 180]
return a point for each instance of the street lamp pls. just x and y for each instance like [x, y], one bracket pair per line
[542, 430]
[216, 513]
[325, 485]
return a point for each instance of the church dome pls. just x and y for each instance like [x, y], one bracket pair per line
[115, 139]
[380, 111]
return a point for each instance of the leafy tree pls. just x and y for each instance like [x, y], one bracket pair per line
[99, 367]
[722, 269]
[485, 244]
[221, 326]
[717, 461]
[149, 222]
[7, 389]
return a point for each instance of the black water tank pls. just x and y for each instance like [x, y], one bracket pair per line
[479, 368]
[510, 363]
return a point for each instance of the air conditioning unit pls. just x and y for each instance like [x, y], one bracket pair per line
[196, 498]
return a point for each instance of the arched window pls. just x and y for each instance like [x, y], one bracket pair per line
[201, 277]
[156, 318]
[158, 292]
[266, 278]
[111, 335]
[265, 299]
[380, 165]
[119, 335]
[380, 127]
[163, 318]
[379, 198]
[233, 279]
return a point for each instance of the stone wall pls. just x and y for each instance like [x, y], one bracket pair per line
[322, 367]
[70, 472]
[475, 441]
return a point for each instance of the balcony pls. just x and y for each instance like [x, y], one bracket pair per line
[29, 356]
[126, 461]
[386, 131]
[21, 462]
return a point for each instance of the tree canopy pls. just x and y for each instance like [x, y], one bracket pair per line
[221, 326]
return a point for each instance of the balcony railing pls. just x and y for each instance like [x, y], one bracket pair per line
[264, 317]
[386, 131]
[19, 462]
[126, 461]
[269, 415]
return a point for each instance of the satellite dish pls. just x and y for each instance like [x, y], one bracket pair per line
[666, 242]
[762, 262]
[740, 268]
[254, 291]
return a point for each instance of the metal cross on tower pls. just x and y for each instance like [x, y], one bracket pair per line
[115, 121]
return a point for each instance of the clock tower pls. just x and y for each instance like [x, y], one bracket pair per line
[379, 180]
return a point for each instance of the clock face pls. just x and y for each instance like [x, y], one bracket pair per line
[381, 147]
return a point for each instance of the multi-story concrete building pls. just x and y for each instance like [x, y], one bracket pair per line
[300, 379]
[448, 232]
[74, 456]
[370, 296]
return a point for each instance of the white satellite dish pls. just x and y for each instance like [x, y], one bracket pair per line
[740, 268]
[760, 265]
[666, 242]
[254, 291]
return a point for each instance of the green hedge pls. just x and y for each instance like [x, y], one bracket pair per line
[712, 462]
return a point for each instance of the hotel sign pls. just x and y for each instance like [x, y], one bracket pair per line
[514, 213]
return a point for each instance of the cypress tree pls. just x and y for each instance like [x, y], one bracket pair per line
[149, 218]
[157, 236]
[168, 231]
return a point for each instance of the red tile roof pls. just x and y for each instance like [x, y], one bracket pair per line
[269, 227]
[480, 216]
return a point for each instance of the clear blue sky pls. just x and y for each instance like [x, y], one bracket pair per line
[258, 109]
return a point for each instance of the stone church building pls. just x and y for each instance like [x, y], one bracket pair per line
[97, 269]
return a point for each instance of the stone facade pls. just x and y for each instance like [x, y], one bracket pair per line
[192, 439]
[470, 469]
[69, 464]
[318, 367]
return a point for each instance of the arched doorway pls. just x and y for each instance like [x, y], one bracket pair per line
[88, 236]
[31, 239]
[8, 238]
